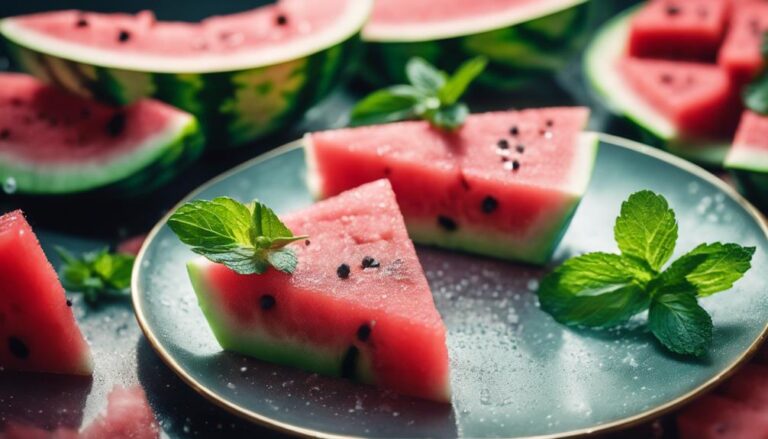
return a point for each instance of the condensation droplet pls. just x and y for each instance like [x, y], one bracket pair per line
[9, 185]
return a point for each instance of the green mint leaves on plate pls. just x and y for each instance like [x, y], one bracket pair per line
[247, 238]
[433, 95]
[756, 93]
[96, 274]
[603, 289]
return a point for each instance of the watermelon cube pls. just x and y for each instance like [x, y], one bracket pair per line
[505, 184]
[740, 53]
[715, 417]
[37, 327]
[678, 29]
[748, 158]
[358, 305]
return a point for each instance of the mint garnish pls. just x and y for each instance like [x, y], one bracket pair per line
[756, 93]
[604, 289]
[96, 274]
[246, 238]
[432, 95]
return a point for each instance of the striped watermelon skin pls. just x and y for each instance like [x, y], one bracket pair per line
[519, 54]
[234, 107]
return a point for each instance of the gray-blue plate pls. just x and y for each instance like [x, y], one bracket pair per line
[515, 371]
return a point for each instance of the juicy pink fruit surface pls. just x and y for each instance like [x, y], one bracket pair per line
[37, 328]
[44, 125]
[132, 245]
[406, 347]
[697, 98]
[452, 173]
[716, 417]
[749, 386]
[678, 29]
[750, 145]
[425, 11]
[740, 52]
[282, 23]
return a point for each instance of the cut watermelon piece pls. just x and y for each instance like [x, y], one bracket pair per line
[37, 328]
[128, 416]
[748, 158]
[376, 325]
[523, 39]
[678, 29]
[244, 75]
[132, 245]
[740, 53]
[505, 184]
[52, 142]
[749, 386]
[715, 417]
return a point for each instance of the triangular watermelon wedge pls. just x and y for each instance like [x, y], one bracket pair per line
[358, 305]
[37, 328]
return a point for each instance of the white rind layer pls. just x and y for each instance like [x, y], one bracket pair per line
[747, 158]
[349, 23]
[461, 26]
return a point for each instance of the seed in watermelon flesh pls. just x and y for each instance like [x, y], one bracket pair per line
[740, 53]
[457, 172]
[316, 323]
[715, 417]
[38, 330]
[748, 158]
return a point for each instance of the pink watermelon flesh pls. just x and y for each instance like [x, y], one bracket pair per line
[740, 52]
[13, 430]
[505, 184]
[379, 325]
[750, 145]
[678, 29]
[749, 386]
[697, 98]
[37, 328]
[715, 417]
[132, 245]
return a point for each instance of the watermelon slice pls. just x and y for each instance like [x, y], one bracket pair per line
[52, 142]
[505, 184]
[244, 75]
[37, 328]
[715, 417]
[358, 305]
[523, 39]
[740, 53]
[748, 157]
[749, 386]
[678, 29]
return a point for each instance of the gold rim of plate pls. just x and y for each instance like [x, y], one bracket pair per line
[620, 424]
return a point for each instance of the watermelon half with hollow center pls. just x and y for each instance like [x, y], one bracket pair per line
[38, 330]
[740, 53]
[662, 99]
[505, 184]
[358, 306]
[748, 158]
[53, 142]
[244, 75]
[523, 39]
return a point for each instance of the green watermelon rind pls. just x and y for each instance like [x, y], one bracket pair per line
[651, 127]
[749, 167]
[524, 50]
[149, 166]
[253, 342]
[214, 97]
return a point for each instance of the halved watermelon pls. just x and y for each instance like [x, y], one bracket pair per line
[715, 417]
[37, 328]
[244, 75]
[505, 184]
[523, 39]
[748, 157]
[358, 306]
[53, 142]
[740, 52]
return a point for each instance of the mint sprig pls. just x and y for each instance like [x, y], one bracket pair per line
[98, 274]
[247, 238]
[432, 95]
[603, 289]
[756, 94]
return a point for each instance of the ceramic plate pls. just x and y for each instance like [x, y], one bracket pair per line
[515, 371]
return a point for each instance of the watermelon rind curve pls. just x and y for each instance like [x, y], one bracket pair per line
[749, 167]
[524, 45]
[238, 99]
[649, 126]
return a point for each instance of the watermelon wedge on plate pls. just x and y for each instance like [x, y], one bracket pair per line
[53, 142]
[748, 158]
[523, 39]
[358, 306]
[505, 184]
[244, 75]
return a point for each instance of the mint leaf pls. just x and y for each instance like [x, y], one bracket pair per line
[710, 268]
[221, 222]
[450, 118]
[646, 229]
[595, 289]
[424, 76]
[680, 324]
[96, 274]
[384, 106]
[283, 259]
[457, 84]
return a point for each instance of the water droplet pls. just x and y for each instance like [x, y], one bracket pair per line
[533, 285]
[230, 385]
[9, 185]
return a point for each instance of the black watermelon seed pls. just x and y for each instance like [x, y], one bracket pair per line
[464, 183]
[5, 133]
[81, 22]
[515, 165]
[364, 332]
[123, 36]
[369, 262]
[116, 124]
[447, 223]
[550, 122]
[489, 204]
[282, 20]
[520, 148]
[267, 301]
[673, 10]
[307, 242]
[349, 363]
[503, 144]
[387, 171]
[17, 347]
[343, 271]
[666, 78]
[69, 302]
[514, 131]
